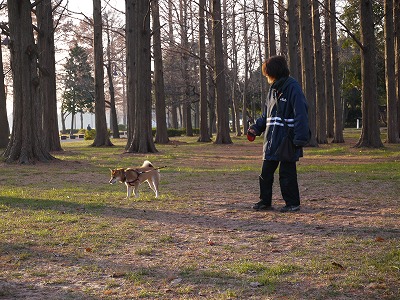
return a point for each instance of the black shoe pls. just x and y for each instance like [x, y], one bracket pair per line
[262, 206]
[290, 208]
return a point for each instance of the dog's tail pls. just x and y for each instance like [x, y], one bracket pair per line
[146, 163]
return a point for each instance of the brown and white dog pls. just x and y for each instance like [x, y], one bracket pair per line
[133, 177]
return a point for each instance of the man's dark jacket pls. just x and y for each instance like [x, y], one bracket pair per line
[293, 108]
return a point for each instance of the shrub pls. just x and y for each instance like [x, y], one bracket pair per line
[90, 134]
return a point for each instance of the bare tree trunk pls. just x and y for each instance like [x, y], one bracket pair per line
[142, 141]
[293, 39]
[328, 72]
[47, 76]
[246, 70]
[397, 55]
[187, 111]
[159, 93]
[174, 106]
[338, 111]
[4, 126]
[223, 136]
[113, 110]
[282, 29]
[204, 133]
[319, 77]
[236, 104]
[392, 123]
[260, 58]
[271, 27]
[370, 132]
[102, 138]
[25, 145]
[265, 28]
[131, 48]
[211, 81]
[307, 62]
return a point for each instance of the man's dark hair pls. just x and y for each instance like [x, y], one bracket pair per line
[276, 67]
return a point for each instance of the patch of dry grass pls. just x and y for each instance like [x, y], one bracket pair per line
[65, 233]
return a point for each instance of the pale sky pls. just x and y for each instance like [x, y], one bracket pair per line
[86, 6]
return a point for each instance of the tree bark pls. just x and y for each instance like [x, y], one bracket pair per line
[293, 39]
[337, 103]
[204, 133]
[142, 141]
[392, 122]
[370, 132]
[47, 76]
[223, 136]
[186, 103]
[159, 93]
[102, 137]
[307, 62]
[319, 77]
[397, 54]
[283, 44]
[236, 104]
[25, 145]
[246, 70]
[328, 72]
[271, 28]
[111, 89]
[130, 24]
[4, 125]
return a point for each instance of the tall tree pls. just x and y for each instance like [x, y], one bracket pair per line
[142, 139]
[186, 105]
[245, 114]
[320, 111]
[223, 136]
[102, 137]
[79, 84]
[307, 62]
[236, 104]
[271, 28]
[293, 38]
[390, 78]
[130, 24]
[328, 71]
[370, 132]
[337, 103]
[111, 89]
[4, 126]
[397, 55]
[204, 133]
[25, 145]
[159, 93]
[47, 75]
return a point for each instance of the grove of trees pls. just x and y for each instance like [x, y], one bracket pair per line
[194, 65]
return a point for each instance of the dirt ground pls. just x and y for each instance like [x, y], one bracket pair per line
[201, 236]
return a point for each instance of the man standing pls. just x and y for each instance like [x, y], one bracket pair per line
[285, 115]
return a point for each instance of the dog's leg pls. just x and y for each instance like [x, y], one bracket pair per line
[153, 184]
[128, 190]
[135, 189]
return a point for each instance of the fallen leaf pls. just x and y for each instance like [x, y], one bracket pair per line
[88, 249]
[118, 275]
[379, 239]
[211, 243]
[335, 264]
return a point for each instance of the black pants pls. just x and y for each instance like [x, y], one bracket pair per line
[287, 182]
